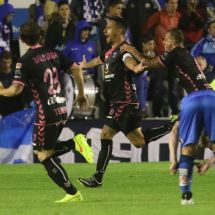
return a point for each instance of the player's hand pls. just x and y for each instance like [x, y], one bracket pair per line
[1, 87]
[82, 101]
[173, 168]
[205, 165]
[83, 63]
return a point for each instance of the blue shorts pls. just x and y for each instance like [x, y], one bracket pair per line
[197, 115]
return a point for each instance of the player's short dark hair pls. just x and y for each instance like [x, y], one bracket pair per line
[177, 35]
[30, 33]
[112, 3]
[121, 22]
[63, 2]
[5, 55]
[146, 38]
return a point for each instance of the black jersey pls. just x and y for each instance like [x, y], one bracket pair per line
[40, 68]
[118, 84]
[190, 76]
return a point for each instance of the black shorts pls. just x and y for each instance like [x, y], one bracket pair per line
[45, 136]
[125, 118]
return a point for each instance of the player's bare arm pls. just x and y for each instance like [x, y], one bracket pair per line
[173, 146]
[13, 90]
[78, 76]
[132, 65]
[131, 49]
[147, 62]
[93, 63]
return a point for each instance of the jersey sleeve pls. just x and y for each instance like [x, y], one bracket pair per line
[165, 59]
[20, 74]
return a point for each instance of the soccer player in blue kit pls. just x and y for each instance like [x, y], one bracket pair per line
[197, 107]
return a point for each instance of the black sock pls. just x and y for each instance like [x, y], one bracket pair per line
[103, 159]
[156, 133]
[63, 147]
[57, 173]
[187, 195]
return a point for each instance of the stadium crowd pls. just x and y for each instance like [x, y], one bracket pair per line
[76, 28]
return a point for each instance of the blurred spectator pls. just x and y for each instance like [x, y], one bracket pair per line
[192, 22]
[36, 12]
[210, 76]
[81, 45]
[61, 27]
[114, 8]
[209, 9]
[8, 104]
[6, 32]
[137, 14]
[161, 21]
[206, 46]
[142, 80]
[90, 10]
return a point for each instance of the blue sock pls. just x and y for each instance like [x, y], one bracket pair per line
[185, 170]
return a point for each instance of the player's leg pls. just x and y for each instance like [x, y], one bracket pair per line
[78, 144]
[45, 138]
[190, 128]
[103, 159]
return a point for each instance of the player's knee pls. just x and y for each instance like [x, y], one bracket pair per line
[42, 155]
[138, 143]
[106, 135]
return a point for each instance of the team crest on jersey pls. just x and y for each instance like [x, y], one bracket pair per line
[106, 68]
[18, 65]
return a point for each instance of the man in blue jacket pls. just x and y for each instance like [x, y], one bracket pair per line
[81, 45]
[206, 46]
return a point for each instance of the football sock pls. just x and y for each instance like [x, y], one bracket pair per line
[103, 159]
[152, 134]
[185, 171]
[63, 147]
[57, 173]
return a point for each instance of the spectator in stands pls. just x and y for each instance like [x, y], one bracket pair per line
[6, 32]
[8, 104]
[36, 12]
[142, 80]
[206, 46]
[81, 45]
[61, 28]
[161, 21]
[192, 23]
[137, 13]
[209, 9]
[90, 10]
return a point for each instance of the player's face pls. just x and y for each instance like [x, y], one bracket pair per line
[168, 42]
[111, 32]
[64, 11]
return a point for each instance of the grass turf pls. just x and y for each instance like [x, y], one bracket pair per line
[128, 189]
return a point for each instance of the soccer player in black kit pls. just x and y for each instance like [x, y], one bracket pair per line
[123, 114]
[197, 107]
[40, 69]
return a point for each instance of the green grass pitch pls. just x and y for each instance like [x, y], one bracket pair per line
[128, 189]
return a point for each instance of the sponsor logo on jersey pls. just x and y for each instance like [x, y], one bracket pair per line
[56, 99]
